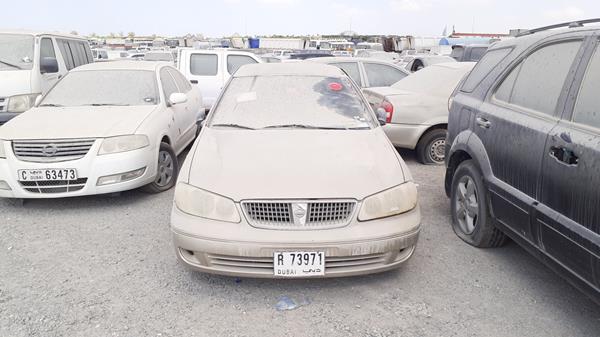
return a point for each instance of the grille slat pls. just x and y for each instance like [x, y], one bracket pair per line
[64, 149]
[54, 186]
[311, 214]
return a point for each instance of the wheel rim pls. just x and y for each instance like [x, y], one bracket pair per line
[166, 168]
[467, 205]
[437, 150]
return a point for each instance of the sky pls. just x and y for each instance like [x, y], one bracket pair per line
[218, 18]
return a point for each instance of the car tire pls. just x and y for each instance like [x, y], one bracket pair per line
[471, 219]
[431, 147]
[166, 170]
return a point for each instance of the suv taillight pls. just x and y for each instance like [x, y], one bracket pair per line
[389, 109]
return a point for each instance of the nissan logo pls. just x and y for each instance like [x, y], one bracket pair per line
[49, 150]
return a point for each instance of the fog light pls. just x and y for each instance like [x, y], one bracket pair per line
[121, 177]
[4, 185]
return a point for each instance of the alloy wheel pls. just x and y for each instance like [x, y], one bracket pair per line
[467, 205]
[166, 169]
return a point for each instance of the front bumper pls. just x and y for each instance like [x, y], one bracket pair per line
[245, 251]
[89, 169]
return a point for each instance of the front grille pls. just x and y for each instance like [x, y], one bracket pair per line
[3, 103]
[54, 186]
[44, 151]
[299, 215]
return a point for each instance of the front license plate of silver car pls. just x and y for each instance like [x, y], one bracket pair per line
[298, 264]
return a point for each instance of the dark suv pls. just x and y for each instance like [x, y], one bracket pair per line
[523, 150]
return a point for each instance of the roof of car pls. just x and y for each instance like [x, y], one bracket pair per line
[296, 68]
[527, 40]
[347, 59]
[454, 65]
[122, 65]
[38, 33]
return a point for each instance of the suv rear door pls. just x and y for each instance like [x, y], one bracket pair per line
[513, 125]
[569, 213]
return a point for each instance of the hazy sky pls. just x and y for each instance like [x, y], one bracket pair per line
[264, 17]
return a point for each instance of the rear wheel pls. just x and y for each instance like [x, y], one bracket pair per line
[471, 219]
[166, 170]
[431, 149]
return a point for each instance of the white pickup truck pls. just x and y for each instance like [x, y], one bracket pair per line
[210, 69]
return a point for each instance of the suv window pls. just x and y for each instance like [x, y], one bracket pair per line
[537, 82]
[587, 108]
[477, 53]
[351, 68]
[203, 64]
[483, 68]
[182, 83]
[47, 48]
[168, 84]
[65, 50]
[234, 62]
[381, 75]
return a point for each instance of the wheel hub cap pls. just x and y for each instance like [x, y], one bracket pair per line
[467, 205]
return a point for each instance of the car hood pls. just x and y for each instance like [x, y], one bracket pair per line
[15, 82]
[75, 122]
[294, 164]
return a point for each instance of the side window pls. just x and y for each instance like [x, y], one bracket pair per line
[88, 52]
[381, 75]
[351, 68]
[168, 84]
[203, 64]
[483, 68]
[587, 108]
[79, 55]
[538, 82]
[182, 83]
[477, 53]
[47, 48]
[234, 62]
[65, 51]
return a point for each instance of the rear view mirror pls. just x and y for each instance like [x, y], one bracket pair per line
[177, 98]
[48, 65]
[381, 116]
[38, 100]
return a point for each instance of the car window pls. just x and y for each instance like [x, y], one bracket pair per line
[47, 48]
[203, 64]
[477, 53]
[483, 68]
[234, 62]
[587, 108]
[351, 68]
[457, 52]
[540, 78]
[381, 75]
[182, 83]
[65, 51]
[168, 84]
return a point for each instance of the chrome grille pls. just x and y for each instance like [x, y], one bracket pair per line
[54, 186]
[51, 150]
[299, 215]
[3, 104]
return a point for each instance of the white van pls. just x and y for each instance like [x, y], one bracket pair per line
[211, 69]
[30, 64]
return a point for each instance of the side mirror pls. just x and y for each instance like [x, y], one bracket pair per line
[381, 116]
[177, 98]
[38, 100]
[48, 65]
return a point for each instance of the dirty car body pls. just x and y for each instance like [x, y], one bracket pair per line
[293, 177]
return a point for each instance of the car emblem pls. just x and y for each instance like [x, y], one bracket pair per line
[300, 210]
[49, 150]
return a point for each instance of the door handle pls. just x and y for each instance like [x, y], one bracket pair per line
[483, 123]
[564, 156]
[194, 81]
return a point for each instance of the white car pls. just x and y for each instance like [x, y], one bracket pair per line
[367, 72]
[105, 127]
[292, 176]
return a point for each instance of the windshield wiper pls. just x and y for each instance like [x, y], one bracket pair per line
[10, 64]
[51, 104]
[302, 126]
[234, 126]
[106, 104]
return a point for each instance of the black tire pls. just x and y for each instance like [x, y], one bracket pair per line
[430, 149]
[166, 171]
[469, 200]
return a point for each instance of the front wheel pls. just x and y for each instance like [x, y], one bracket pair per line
[166, 170]
[431, 149]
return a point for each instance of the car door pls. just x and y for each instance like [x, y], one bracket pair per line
[176, 128]
[569, 211]
[352, 69]
[513, 124]
[186, 113]
[204, 72]
[381, 74]
[48, 49]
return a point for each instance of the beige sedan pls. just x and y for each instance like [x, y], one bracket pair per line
[293, 176]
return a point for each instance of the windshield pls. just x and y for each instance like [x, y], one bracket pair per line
[292, 101]
[16, 52]
[159, 57]
[104, 87]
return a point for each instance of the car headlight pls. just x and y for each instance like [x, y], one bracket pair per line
[198, 202]
[123, 144]
[21, 103]
[396, 200]
[2, 153]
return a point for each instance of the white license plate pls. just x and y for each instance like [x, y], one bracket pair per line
[47, 174]
[298, 264]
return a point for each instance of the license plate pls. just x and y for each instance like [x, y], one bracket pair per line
[47, 174]
[298, 264]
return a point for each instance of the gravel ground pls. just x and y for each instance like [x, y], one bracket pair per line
[105, 266]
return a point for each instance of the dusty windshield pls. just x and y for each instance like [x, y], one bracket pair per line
[16, 52]
[104, 87]
[292, 101]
